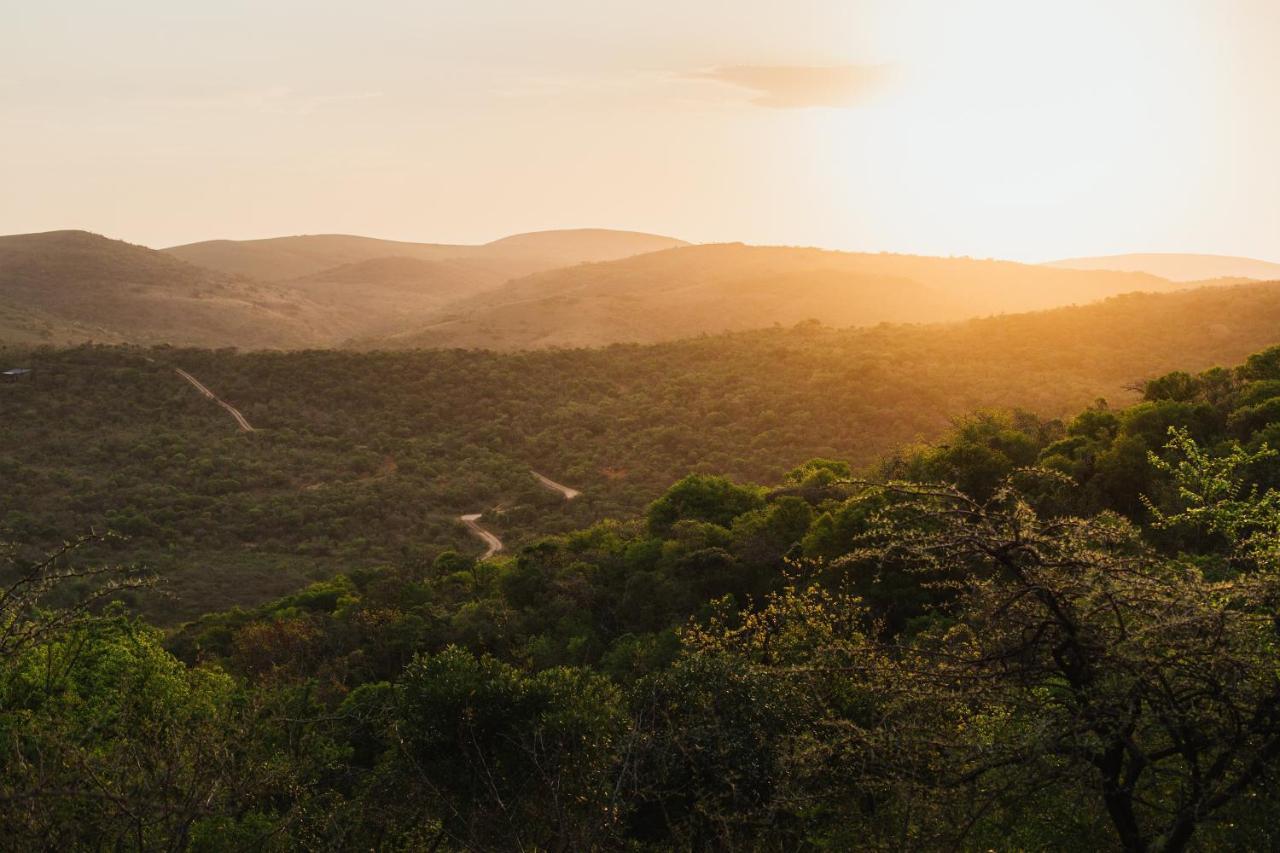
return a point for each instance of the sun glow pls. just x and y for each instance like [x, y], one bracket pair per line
[1047, 121]
[1028, 130]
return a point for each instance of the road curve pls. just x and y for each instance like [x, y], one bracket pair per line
[569, 494]
[200, 386]
[494, 543]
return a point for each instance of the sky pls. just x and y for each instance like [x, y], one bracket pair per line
[1025, 129]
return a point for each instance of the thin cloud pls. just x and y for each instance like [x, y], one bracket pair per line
[800, 86]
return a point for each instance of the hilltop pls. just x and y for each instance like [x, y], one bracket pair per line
[73, 285]
[572, 288]
[1178, 266]
[520, 254]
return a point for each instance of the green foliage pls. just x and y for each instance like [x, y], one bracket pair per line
[1077, 653]
[1263, 365]
[509, 759]
[365, 460]
[109, 739]
[715, 500]
[1179, 386]
[979, 452]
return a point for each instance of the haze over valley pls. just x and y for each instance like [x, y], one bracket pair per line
[585, 287]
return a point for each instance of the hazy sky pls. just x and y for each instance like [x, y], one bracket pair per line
[1021, 129]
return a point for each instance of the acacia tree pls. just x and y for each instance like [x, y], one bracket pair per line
[1072, 658]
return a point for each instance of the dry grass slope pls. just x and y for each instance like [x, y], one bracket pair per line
[83, 286]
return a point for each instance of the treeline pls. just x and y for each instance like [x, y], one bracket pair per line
[1030, 634]
[365, 460]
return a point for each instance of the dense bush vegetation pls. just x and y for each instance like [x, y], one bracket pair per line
[1028, 634]
[366, 460]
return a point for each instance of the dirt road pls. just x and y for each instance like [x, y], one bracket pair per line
[494, 543]
[569, 494]
[200, 386]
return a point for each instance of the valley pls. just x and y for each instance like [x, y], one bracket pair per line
[368, 458]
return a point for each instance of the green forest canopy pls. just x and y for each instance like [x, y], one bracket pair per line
[365, 460]
[1029, 633]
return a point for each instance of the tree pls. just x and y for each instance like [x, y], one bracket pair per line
[715, 500]
[1073, 658]
[107, 739]
[508, 760]
[1262, 365]
[739, 740]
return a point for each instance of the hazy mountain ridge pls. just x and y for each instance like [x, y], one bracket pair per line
[280, 258]
[1177, 266]
[729, 287]
[73, 286]
[509, 257]
[383, 295]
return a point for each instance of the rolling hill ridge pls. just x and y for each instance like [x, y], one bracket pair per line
[1178, 266]
[286, 293]
[509, 257]
[73, 285]
[580, 288]
[731, 287]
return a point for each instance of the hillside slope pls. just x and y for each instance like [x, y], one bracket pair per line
[72, 285]
[293, 257]
[729, 287]
[383, 295]
[1178, 267]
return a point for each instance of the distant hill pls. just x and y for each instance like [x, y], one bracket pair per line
[73, 286]
[1178, 267]
[64, 286]
[280, 258]
[578, 245]
[292, 257]
[383, 295]
[727, 287]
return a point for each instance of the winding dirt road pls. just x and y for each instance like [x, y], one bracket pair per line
[471, 520]
[200, 386]
[494, 543]
[569, 494]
